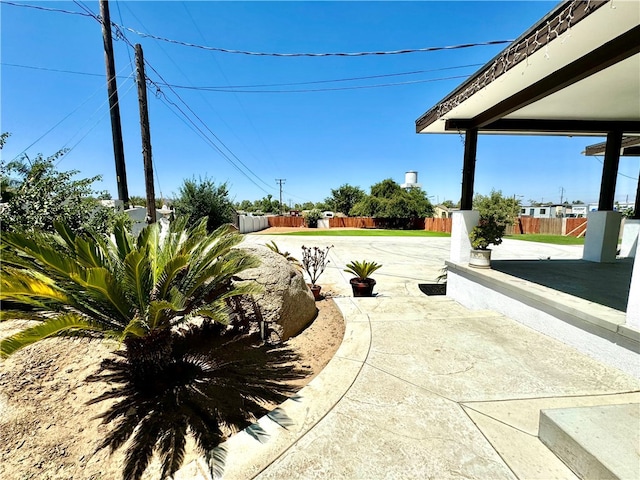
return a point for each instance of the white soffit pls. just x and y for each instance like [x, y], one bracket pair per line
[610, 94]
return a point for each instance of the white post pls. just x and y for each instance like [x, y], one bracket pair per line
[630, 237]
[633, 304]
[601, 242]
[461, 224]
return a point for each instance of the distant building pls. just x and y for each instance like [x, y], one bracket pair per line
[440, 211]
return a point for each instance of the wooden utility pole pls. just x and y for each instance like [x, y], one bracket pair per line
[280, 181]
[114, 106]
[146, 136]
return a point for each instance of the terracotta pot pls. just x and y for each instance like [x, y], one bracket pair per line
[315, 289]
[480, 258]
[362, 287]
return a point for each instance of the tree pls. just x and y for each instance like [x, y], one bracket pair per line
[37, 194]
[389, 200]
[503, 209]
[203, 199]
[245, 206]
[268, 205]
[450, 204]
[343, 198]
[172, 377]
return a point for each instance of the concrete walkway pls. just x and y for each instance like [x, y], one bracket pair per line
[423, 387]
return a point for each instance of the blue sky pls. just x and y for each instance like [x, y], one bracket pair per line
[352, 131]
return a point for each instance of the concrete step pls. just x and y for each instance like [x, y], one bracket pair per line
[600, 442]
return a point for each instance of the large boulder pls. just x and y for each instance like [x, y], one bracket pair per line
[286, 303]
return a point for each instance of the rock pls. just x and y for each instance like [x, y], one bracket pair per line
[286, 303]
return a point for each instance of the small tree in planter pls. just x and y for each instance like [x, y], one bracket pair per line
[487, 232]
[314, 261]
[362, 285]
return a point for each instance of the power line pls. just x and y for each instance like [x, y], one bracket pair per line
[275, 54]
[621, 174]
[311, 90]
[46, 9]
[225, 87]
[203, 135]
[324, 54]
[217, 138]
[257, 135]
[62, 120]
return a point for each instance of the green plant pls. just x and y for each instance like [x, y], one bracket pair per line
[122, 287]
[212, 382]
[314, 261]
[487, 232]
[362, 270]
[37, 194]
[290, 258]
[202, 198]
[504, 210]
[311, 217]
[171, 377]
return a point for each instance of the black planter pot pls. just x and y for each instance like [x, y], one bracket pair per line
[362, 287]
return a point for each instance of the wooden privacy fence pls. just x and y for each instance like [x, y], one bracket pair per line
[286, 221]
[551, 226]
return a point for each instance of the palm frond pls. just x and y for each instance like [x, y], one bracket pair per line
[101, 284]
[138, 277]
[52, 327]
[172, 449]
[21, 286]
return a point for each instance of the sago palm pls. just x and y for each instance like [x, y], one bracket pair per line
[173, 378]
[119, 287]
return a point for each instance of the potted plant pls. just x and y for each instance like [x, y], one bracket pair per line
[487, 232]
[362, 284]
[314, 261]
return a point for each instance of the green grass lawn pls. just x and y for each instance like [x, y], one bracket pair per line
[365, 232]
[542, 238]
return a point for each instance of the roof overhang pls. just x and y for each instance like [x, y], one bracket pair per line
[575, 72]
[629, 147]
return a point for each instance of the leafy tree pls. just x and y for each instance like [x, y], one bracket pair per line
[322, 206]
[504, 210]
[577, 202]
[202, 198]
[171, 377]
[450, 204]
[389, 200]
[245, 205]
[37, 194]
[140, 201]
[268, 205]
[343, 198]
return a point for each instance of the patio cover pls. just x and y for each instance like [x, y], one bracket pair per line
[575, 72]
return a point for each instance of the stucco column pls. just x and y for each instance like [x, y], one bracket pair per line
[633, 304]
[601, 242]
[461, 224]
[630, 237]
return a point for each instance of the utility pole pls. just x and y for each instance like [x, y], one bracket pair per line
[146, 136]
[280, 181]
[561, 194]
[114, 106]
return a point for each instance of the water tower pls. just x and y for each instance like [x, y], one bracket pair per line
[411, 180]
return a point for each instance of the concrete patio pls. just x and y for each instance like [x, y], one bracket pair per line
[423, 387]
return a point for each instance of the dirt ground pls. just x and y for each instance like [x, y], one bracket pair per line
[48, 432]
